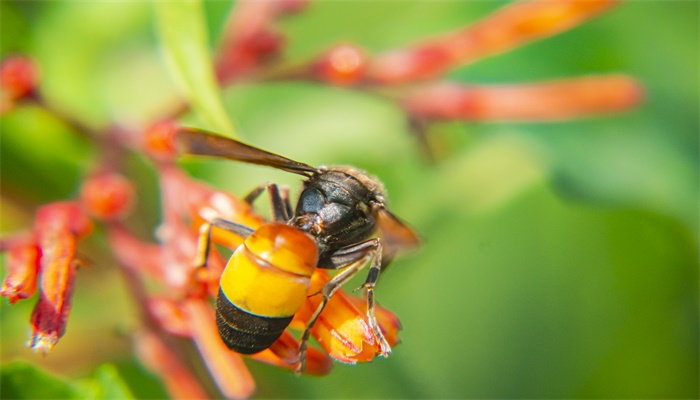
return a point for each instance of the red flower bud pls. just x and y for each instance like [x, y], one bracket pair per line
[249, 38]
[18, 77]
[159, 140]
[291, 6]
[56, 217]
[264, 44]
[342, 65]
[107, 196]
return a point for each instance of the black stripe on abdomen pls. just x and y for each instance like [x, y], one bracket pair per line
[244, 332]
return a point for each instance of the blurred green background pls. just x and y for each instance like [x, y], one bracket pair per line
[560, 259]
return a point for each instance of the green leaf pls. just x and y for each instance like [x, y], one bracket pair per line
[183, 33]
[106, 384]
[21, 380]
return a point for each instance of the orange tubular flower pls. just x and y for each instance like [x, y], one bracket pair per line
[179, 381]
[224, 205]
[226, 367]
[551, 100]
[342, 328]
[23, 271]
[58, 227]
[284, 353]
[511, 26]
[134, 254]
[66, 215]
[169, 316]
[51, 312]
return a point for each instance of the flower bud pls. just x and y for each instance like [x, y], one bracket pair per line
[18, 77]
[291, 6]
[60, 216]
[341, 65]
[159, 140]
[107, 196]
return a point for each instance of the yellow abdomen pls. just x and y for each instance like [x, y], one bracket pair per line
[269, 274]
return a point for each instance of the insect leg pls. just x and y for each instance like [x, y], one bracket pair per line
[254, 194]
[353, 257]
[347, 255]
[327, 291]
[204, 241]
[369, 249]
[281, 209]
[372, 275]
[284, 192]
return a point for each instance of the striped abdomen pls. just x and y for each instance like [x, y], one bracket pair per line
[263, 286]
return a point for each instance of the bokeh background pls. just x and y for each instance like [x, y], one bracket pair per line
[560, 259]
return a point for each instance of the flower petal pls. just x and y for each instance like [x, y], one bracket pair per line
[66, 215]
[58, 270]
[538, 101]
[163, 361]
[284, 353]
[226, 367]
[511, 26]
[169, 316]
[343, 329]
[23, 270]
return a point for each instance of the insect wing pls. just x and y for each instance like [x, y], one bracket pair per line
[396, 235]
[200, 142]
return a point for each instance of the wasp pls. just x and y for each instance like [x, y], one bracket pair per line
[265, 281]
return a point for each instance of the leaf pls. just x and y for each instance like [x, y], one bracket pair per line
[21, 380]
[183, 33]
[107, 384]
[612, 164]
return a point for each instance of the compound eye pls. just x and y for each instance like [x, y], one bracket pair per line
[311, 200]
